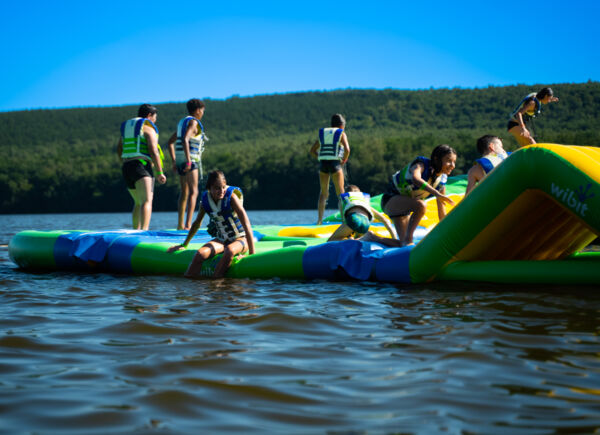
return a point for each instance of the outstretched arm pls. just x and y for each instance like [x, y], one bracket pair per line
[191, 233]
[440, 204]
[386, 223]
[417, 172]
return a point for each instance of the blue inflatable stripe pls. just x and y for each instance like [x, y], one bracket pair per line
[62, 256]
[348, 259]
[394, 266]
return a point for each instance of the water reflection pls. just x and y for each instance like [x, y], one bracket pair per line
[112, 353]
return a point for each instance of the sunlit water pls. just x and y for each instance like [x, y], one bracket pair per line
[105, 353]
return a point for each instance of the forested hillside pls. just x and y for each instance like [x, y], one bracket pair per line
[65, 160]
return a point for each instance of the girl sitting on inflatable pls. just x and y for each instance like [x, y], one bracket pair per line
[229, 225]
[410, 186]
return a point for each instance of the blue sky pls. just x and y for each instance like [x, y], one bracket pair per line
[65, 54]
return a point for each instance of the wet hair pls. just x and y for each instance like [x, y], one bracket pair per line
[212, 178]
[352, 188]
[543, 93]
[438, 153]
[145, 110]
[193, 105]
[483, 143]
[338, 120]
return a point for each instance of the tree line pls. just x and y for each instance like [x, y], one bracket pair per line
[64, 160]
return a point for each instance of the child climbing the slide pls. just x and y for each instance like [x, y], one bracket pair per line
[229, 225]
[357, 215]
[404, 200]
[520, 124]
[492, 154]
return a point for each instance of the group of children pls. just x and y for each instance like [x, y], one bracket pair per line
[229, 225]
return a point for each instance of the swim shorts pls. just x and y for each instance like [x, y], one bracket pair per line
[385, 199]
[358, 222]
[181, 167]
[511, 124]
[133, 170]
[330, 166]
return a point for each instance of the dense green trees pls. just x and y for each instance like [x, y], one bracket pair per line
[64, 160]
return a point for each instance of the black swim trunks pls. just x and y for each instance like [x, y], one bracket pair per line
[511, 124]
[181, 167]
[330, 166]
[385, 198]
[133, 170]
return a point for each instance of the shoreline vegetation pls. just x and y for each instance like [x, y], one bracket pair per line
[64, 160]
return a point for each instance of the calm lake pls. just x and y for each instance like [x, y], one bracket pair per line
[106, 353]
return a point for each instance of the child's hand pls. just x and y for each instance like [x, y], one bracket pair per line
[175, 248]
[445, 199]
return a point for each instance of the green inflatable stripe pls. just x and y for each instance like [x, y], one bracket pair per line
[34, 249]
[287, 262]
[567, 272]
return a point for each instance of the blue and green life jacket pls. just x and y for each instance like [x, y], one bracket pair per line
[330, 139]
[225, 225]
[525, 101]
[403, 183]
[135, 144]
[196, 142]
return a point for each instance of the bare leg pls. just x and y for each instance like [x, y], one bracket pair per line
[182, 203]
[144, 188]
[207, 251]
[323, 195]
[399, 205]
[135, 213]
[338, 184]
[192, 183]
[372, 237]
[342, 232]
[230, 251]
[415, 218]
[522, 136]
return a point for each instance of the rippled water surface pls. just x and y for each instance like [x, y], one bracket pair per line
[128, 354]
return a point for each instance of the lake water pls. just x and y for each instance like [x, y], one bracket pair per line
[106, 353]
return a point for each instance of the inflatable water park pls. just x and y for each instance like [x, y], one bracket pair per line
[528, 221]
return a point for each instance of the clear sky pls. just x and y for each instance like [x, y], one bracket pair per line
[64, 53]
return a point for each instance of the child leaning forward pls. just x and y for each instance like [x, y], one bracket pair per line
[410, 186]
[229, 225]
[357, 215]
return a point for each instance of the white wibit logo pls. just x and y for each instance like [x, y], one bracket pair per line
[573, 199]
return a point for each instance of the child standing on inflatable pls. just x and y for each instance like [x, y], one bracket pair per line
[492, 154]
[138, 150]
[357, 215]
[332, 150]
[410, 186]
[185, 147]
[528, 108]
[229, 225]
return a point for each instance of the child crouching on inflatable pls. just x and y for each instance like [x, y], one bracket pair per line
[357, 215]
[410, 186]
[229, 225]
